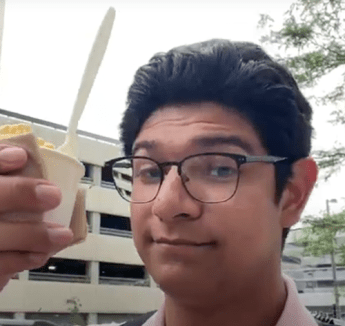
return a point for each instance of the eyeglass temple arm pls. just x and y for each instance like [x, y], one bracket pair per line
[265, 159]
[122, 165]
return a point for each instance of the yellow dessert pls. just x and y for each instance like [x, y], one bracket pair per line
[8, 131]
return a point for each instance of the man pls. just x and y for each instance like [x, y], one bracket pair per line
[217, 141]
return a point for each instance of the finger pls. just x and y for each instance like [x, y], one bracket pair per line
[33, 237]
[22, 194]
[16, 262]
[52, 225]
[11, 158]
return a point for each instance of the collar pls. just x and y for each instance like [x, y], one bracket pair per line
[294, 313]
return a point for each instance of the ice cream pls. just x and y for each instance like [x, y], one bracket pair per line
[8, 131]
[61, 169]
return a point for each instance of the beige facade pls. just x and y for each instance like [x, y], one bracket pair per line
[314, 276]
[104, 276]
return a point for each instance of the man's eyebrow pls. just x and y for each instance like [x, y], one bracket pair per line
[204, 141]
[143, 145]
[224, 140]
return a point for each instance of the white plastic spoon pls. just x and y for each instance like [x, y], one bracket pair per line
[70, 146]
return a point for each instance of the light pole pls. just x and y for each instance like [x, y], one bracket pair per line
[334, 267]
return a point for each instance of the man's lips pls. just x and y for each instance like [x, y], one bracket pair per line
[182, 242]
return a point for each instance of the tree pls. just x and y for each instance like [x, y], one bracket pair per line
[75, 305]
[313, 38]
[318, 236]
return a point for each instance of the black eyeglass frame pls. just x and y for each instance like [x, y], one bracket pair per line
[239, 159]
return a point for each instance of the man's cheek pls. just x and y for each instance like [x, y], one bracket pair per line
[135, 217]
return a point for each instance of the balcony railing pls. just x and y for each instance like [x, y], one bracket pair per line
[87, 180]
[108, 184]
[47, 277]
[116, 232]
[315, 274]
[25, 322]
[124, 281]
[316, 279]
[35, 276]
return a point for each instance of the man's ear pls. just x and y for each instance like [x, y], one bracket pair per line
[297, 191]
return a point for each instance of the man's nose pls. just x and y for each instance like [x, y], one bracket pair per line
[173, 202]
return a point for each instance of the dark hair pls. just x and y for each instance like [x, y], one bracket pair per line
[236, 75]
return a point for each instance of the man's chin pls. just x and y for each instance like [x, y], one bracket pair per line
[179, 282]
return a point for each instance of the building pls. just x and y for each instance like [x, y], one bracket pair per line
[314, 276]
[102, 279]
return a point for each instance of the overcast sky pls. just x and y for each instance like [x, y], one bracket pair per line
[46, 43]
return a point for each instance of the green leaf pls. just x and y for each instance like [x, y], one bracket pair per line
[318, 236]
[313, 39]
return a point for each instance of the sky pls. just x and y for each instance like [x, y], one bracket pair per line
[46, 43]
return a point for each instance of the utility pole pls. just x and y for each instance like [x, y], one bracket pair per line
[334, 267]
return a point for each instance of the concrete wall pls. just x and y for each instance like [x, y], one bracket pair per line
[37, 296]
[104, 248]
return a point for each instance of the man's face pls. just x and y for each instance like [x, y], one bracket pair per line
[192, 248]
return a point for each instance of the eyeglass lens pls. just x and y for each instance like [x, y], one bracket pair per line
[207, 178]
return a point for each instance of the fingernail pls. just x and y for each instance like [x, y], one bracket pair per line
[12, 155]
[48, 194]
[60, 236]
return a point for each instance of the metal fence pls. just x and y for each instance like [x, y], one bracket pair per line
[52, 277]
[124, 281]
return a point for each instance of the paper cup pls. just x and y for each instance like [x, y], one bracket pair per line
[65, 172]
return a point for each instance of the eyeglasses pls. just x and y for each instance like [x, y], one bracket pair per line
[208, 177]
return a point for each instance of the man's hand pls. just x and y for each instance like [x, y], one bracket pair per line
[26, 245]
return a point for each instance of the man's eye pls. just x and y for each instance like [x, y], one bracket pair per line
[221, 171]
[148, 174]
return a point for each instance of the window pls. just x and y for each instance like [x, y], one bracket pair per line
[89, 224]
[61, 270]
[123, 274]
[126, 177]
[325, 284]
[115, 225]
[107, 175]
[115, 222]
[88, 172]
[324, 265]
[122, 270]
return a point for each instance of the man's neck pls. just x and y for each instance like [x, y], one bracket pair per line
[263, 305]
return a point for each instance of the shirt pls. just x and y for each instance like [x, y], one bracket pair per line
[294, 312]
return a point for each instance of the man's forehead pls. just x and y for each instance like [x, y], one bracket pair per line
[204, 124]
[196, 112]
